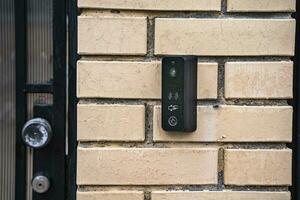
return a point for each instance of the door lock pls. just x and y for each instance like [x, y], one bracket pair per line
[40, 184]
[37, 133]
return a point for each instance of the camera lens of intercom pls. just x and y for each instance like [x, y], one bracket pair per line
[173, 72]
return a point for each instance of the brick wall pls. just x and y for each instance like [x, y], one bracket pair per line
[240, 150]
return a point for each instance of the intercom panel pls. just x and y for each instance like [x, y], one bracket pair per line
[179, 94]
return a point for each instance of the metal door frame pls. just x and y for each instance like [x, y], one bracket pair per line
[57, 88]
[72, 100]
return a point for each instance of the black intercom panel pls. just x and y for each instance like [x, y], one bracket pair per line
[179, 94]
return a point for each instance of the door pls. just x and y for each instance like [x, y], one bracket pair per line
[33, 107]
[7, 100]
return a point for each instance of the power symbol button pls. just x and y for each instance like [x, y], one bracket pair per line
[173, 121]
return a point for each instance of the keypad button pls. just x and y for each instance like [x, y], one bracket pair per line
[173, 121]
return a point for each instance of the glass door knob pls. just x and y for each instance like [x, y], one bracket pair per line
[37, 133]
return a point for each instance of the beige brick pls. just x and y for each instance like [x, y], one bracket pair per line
[147, 166]
[135, 80]
[225, 37]
[222, 195]
[110, 122]
[110, 195]
[207, 81]
[112, 35]
[259, 80]
[261, 5]
[258, 167]
[182, 5]
[233, 124]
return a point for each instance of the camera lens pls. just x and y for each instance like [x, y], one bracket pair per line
[172, 72]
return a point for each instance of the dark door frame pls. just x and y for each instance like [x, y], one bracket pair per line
[21, 62]
[72, 99]
[56, 163]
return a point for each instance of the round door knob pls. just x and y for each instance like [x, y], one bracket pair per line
[40, 184]
[37, 133]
